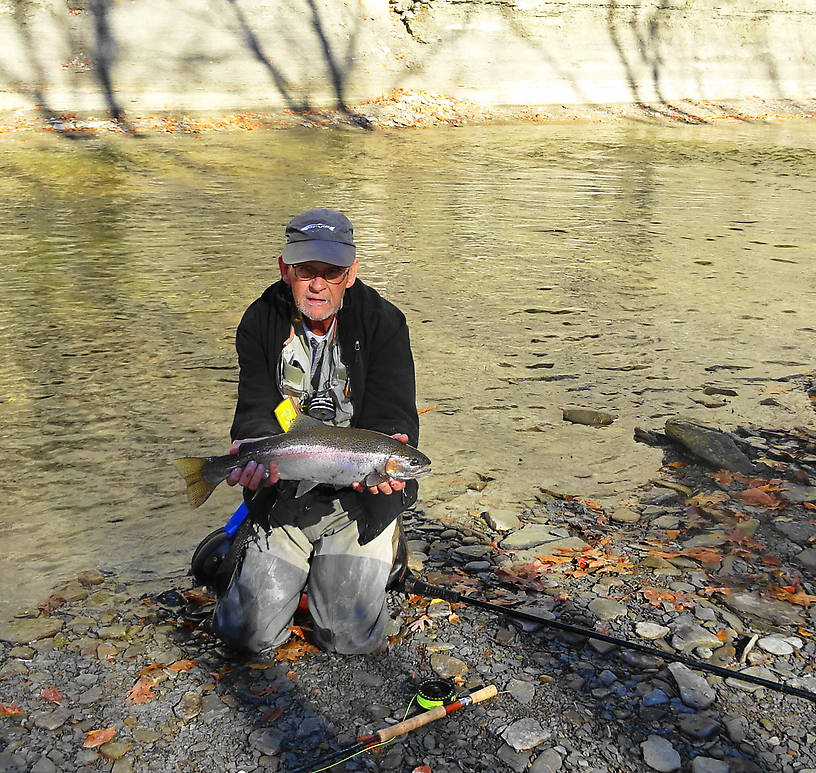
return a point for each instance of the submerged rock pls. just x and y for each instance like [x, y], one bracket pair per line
[588, 417]
[25, 630]
[709, 444]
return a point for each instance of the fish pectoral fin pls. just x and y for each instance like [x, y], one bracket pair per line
[304, 487]
[375, 478]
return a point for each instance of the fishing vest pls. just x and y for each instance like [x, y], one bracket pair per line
[313, 373]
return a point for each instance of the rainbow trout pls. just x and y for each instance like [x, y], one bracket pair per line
[311, 452]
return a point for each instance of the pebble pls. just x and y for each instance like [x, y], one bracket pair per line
[548, 761]
[758, 671]
[651, 631]
[447, 666]
[26, 630]
[779, 645]
[699, 726]
[113, 750]
[659, 754]
[43, 765]
[709, 765]
[525, 734]
[695, 691]
[607, 609]
[533, 535]
[689, 636]
[523, 692]
[502, 520]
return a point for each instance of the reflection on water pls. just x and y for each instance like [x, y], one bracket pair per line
[616, 267]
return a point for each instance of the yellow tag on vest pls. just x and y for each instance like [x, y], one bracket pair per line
[286, 412]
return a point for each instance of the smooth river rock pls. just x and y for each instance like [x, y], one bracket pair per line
[695, 691]
[531, 535]
[25, 630]
[659, 754]
[525, 734]
[709, 444]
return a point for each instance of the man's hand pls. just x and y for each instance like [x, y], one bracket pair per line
[252, 475]
[388, 486]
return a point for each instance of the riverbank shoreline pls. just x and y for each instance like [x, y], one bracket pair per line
[412, 108]
[710, 563]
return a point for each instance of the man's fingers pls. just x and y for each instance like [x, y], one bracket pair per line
[273, 475]
[401, 436]
[234, 477]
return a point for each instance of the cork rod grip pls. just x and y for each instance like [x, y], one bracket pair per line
[427, 717]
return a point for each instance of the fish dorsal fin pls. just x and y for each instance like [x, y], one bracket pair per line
[304, 422]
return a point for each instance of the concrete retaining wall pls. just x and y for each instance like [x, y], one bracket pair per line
[229, 55]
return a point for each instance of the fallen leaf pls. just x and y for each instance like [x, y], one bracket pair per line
[422, 769]
[722, 635]
[664, 553]
[94, 738]
[792, 594]
[182, 665]
[142, 691]
[672, 534]
[658, 597]
[724, 477]
[803, 632]
[51, 694]
[453, 618]
[10, 710]
[676, 465]
[809, 505]
[711, 589]
[294, 650]
[148, 669]
[703, 554]
[221, 673]
[771, 560]
[420, 624]
[199, 596]
[760, 498]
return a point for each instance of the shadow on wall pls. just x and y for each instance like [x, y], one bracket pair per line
[646, 25]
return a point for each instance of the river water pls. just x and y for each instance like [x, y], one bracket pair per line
[618, 267]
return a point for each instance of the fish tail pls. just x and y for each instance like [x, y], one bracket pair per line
[198, 489]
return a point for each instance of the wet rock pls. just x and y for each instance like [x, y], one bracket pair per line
[532, 535]
[778, 612]
[144, 736]
[90, 577]
[625, 515]
[799, 532]
[709, 444]
[735, 727]
[588, 417]
[689, 636]
[448, 667]
[113, 750]
[568, 543]
[659, 754]
[25, 630]
[695, 691]
[90, 696]
[525, 734]
[651, 631]
[549, 761]
[606, 609]
[502, 520]
[122, 765]
[709, 765]
[699, 726]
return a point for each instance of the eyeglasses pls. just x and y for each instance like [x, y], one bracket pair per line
[306, 273]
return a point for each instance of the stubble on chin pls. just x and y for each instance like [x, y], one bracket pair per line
[315, 317]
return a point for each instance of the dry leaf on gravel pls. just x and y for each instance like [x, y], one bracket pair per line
[661, 598]
[142, 691]
[51, 694]
[793, 594]
[703, 554]
[148, 669]
[759, 497]
[420, 624]
[182, 665]
[94, 738]
[10, 710]
[724, 477]
[199, 596]
[294, 650]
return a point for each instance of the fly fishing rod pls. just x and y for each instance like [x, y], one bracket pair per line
[411, 584]
[387, 733]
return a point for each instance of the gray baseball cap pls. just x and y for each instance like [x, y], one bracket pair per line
[325, 235]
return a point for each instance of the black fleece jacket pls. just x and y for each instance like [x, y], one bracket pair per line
[376, 349]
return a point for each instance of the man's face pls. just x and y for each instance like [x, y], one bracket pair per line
[317, 299]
